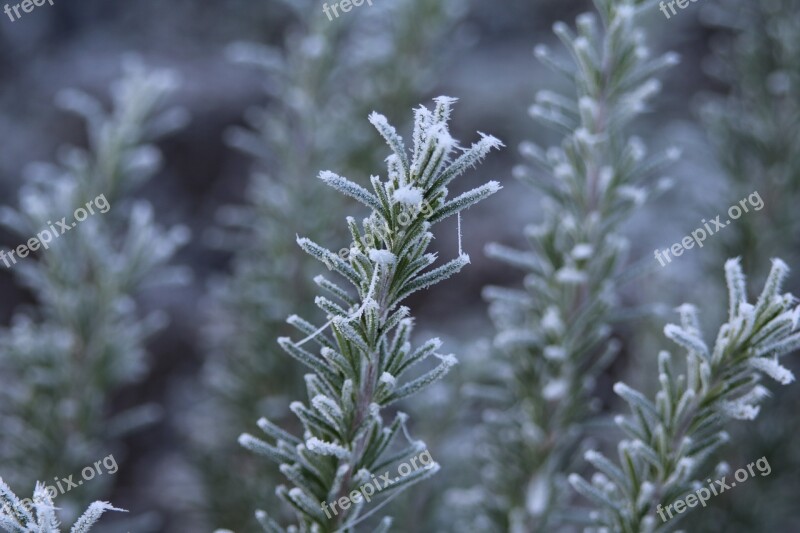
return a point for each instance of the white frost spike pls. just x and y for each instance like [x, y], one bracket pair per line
[393, 139]
[686, 339]
[408, 195]
[740, 410]
[326, 405]
[773, 369]
[736, 286]
[537, 495]
[321, 447]
[92, 515]
[758, 393]
[448, 361]
[348, 188]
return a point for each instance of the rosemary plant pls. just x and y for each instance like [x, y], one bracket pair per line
[380, 54]
[61, 360]
[756, 127]
[38, 515]
[670, 440]
[553, 336]
[364, 347]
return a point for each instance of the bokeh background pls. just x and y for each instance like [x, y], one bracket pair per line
[184, 471]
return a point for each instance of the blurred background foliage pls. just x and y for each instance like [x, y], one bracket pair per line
[266, 116]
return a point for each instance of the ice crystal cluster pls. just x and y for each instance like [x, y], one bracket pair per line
[40, 515]
[361, 359]
[670, 440]
[62, 359]
[553, 335]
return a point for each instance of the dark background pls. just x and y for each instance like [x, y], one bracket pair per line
[80, 43]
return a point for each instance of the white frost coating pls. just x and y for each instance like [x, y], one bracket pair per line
[636, 194]
[625, 12]
[588, 104]
[556, 353]
[686, 463]
[674, 153]
[582, 44]
[571, 275]
[321, 447]
[773, 369]
[605, 177]
[541, 51]
[388, 379]
[551, 321]
[740, 410]
[529, 149]
[555, 390]
[583, 136]
[747, 310]
[448, 360]
[582, 251]
[382, 257]
[638, 148]
[537, 496]
[408, 195]
[562, 171]
[327, 175]
[574, 479]
[375, 410]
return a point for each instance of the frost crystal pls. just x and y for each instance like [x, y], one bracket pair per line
[382, 257]
[408, 195]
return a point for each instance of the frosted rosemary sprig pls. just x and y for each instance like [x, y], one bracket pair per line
[554, 334]
[61, 359]
[39, 514]
[364, 350]
[669, 440]
[288, 141]
[755, 127]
